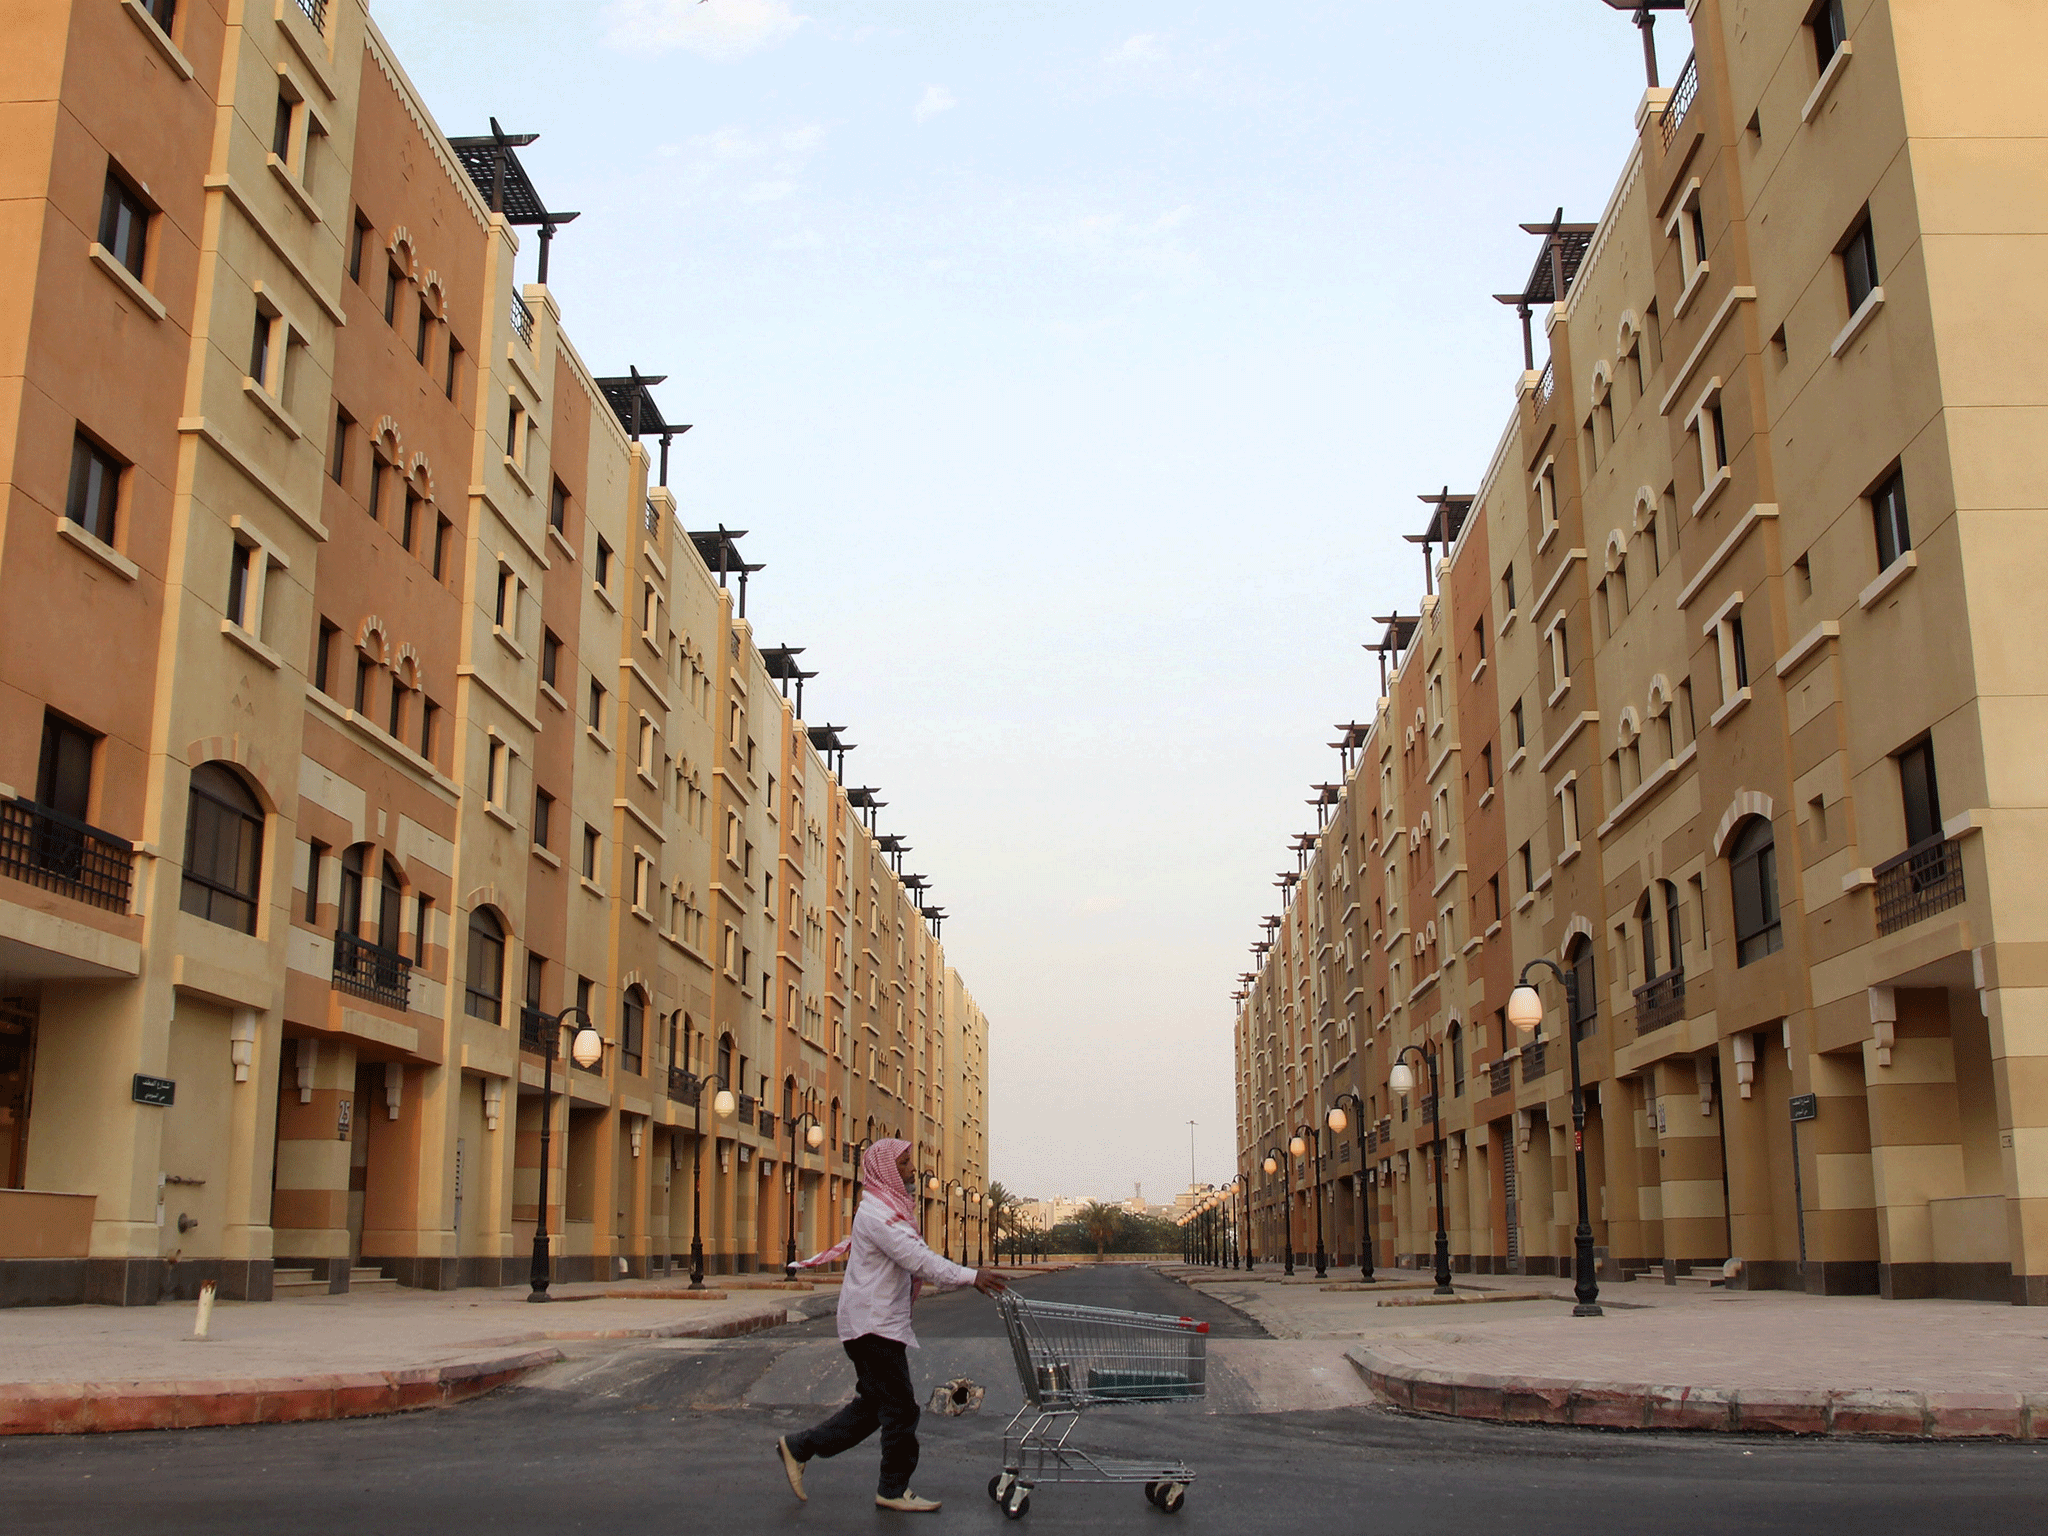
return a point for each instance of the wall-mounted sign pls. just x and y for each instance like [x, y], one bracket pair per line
[1805, 1106]
[153, 1090]
[344, 1117]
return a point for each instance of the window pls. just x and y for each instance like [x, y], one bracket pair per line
[393, 279]
[238, 584]
[358, 238]
[1829, 31]
[1918, 791]
[515, 420]
[316, 861]
[1546, 500]
[442, 528]
[1585, 996]
[364, 667]
[429, 713]
[1710, 428]
[1493, 890]
[337, 452]
[502, 611]
[323, 657]
[426, 333]
[376, 497]
[223, 849]
[483, 994]
[1560, 657]
[590, 843]
[64, 774]
[95, 488]
[1859, 265]
[497, 773]
[452, 381]
[1753, 875]
[550, 656]
[422, 928]
[390, 907]
[348, 910]
[1528, 866]
[536, 973]
[261, 348]
[407, 518]
[632, 1028]
[396, 722]
[124, 223]
[646, 760]
[1486, 761]
[543, 814]
[1731, 652]
[1888, 513]
[1507, 590]
[558, 508]
[281, 126]
[1457, 1053]
[1515, 719]
[597, 706]
[601, 570]
[162, 12]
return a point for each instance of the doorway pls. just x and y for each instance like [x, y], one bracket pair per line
[17, 1078]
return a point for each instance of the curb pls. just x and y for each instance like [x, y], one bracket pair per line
[1841, 1414]
[106, 1407]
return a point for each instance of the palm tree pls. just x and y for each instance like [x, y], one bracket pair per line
[998, 1201]
[1102, 1222]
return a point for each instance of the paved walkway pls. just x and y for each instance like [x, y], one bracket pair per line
[1676, 1357]
[69, 1369]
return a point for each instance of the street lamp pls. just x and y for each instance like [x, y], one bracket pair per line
[980, 1232]
[1525, 1012]
[1338, 1121]
[1306, 1136]
[1250, 1226]
[722, 1106]
[1401, 1080]
[586, 1049]
[814, 1138]
[1278, 1162]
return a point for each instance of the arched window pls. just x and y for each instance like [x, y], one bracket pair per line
[1457, 1047]
[349, 909]
[725, 1062]
[390, 907]
[835, 1125]
[789, 1098]
[1753, 874]
[223, 849]
[1585, 993]
[1674, 933]
[483, 997]
[1646, 919]
[632, 1028]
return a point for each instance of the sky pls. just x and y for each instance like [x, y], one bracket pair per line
[1074, 368]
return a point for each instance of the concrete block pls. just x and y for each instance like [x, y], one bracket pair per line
[1476, 1398]
[1536, 1400]
[1975, 1415]
[1610, 1405]
[121, 1406]
[362, 1394]
[1877, 1413]
[208, 1403]
[1432, 1396]
[51, 1408]
[1776, 1411]
[2036, 1404]
[1689, 1408]
[297, 1401]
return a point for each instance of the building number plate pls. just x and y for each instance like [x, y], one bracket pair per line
[153, 1090]
[1805, 1106]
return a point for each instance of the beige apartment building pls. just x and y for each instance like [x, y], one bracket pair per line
[1725, 696]
[364, 704]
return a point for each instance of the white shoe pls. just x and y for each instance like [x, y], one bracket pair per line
[907, 1502]
[792, 1469]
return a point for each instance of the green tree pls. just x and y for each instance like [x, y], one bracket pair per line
[1103, 1223]
[1001, 1214]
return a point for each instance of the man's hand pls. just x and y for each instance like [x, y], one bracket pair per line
[988, 1282]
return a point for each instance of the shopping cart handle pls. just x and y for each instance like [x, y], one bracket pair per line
[1191, 1324]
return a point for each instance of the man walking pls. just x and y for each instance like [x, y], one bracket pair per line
[887, 1264]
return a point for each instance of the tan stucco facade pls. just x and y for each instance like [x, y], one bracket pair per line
[1667, 713]
[387, 581]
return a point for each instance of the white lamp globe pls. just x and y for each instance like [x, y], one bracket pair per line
[1402, 1078]
[814, 1138]
[586, 1048]
[1271, 1166]
[1298, 1147]
[1525, 1008]
[1338, 1120]
[723, 1104]
[932, 1184]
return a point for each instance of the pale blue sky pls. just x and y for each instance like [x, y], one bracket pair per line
[1075, 367]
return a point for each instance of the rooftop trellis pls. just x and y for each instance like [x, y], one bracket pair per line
[492, 161]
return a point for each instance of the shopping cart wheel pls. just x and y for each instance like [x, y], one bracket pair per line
[1151, 1493]
[999, 1486]
[1172, 1496]
[1018, 1505]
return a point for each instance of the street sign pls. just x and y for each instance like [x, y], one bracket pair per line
[1805, 1106]
[153, 1090]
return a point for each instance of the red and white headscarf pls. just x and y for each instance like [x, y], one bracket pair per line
[882, 1182]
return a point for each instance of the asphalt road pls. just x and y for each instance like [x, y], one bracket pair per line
[665, 1439]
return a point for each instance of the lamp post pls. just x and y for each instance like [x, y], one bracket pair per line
[1277, 1161]
[814, 1138]
[1250, 1223]
[1366, 1243]
[980, 1231]
[936, 1186]
[1525, 1012]
[586, 1050]
[722, 1105]
[1305, 1136]
[1401, 1080]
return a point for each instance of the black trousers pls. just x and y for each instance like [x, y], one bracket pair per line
[882, 1399]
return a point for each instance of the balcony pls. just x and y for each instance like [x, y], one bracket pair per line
[1682, 95]
[316, 13]
[522, 320]
[1927, 878]
[1533, 1066]
[1500, 1076]
[50, 851]
[1546, 386]
[1660, 1001]
[533, 1031]
[684, 1086]
[371, 971]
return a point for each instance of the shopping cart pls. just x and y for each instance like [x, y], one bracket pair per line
[1071, 1359]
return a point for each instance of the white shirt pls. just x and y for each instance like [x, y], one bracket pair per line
[886, 1254]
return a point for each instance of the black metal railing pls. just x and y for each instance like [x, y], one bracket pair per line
[316, 13]
[684, 1086]
[1372, 1142]
[533, 1031]
[768, 1122]
[1660, 1001]
[1682, 95]
[49, 850]
[1533, 1064]
[522, 320]
[748, 1106]
[1927, 878]
[1500, 1076]
[371, 971]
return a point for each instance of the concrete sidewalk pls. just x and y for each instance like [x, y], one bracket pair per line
[1677, 1357]
[78, 1369]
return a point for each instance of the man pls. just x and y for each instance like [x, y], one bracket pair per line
[887, 1264]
